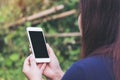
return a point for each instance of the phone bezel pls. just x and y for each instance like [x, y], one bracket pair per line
[38, 60]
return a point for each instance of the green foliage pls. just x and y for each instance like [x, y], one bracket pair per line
[14, 45]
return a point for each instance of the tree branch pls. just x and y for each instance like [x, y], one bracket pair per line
[36, 16]
[74, 34]
[54, 17]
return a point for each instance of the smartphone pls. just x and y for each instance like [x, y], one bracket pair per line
[38, 44]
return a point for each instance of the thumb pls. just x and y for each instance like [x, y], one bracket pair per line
[52, 55]
[32, 61]
[50, 51]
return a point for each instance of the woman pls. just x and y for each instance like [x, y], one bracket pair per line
[99, 24]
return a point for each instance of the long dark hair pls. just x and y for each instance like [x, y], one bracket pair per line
[100, 20]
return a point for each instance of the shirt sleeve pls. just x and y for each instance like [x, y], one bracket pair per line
[74, 73]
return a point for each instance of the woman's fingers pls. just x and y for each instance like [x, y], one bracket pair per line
[48, 47]
[43, 67]
[26, 64]
[27, 60]
[32, 61]
[31, 70]
[50, 52]
[39, 65]
[30, 50]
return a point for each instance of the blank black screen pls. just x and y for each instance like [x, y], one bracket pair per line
[38, 44]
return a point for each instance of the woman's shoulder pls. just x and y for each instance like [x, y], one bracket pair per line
[93, 61]
[91, 68]
[97, 64]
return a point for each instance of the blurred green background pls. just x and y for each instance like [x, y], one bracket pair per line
[14, 45]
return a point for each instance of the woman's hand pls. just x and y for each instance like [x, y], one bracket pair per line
[53, 70]
[31, 70]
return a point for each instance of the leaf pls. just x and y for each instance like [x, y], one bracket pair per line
[14, 57]
[28, 24]
[8, 62]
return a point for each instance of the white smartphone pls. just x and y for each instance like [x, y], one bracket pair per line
[38, 44]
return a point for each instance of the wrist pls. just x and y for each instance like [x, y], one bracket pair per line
[58, 75]
[35, 79]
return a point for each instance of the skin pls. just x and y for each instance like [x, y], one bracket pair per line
[31, 70]
[51, 70]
